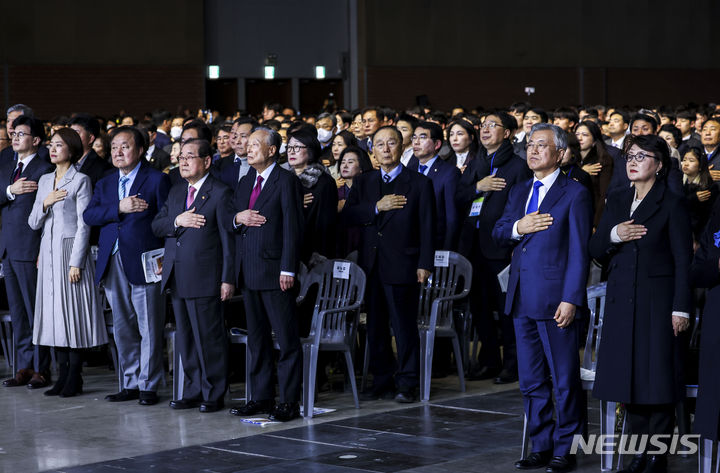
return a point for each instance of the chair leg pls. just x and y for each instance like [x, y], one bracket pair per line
[116, 362]
[459, 363]
[366, 365]
[427, 342]
[525, 439]
[622, 432]
[351, 372]
[6, 346]
[607, 427]
[178, 371]
[310, 356]
[248, 387]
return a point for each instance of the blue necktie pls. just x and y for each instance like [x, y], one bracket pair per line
[121, 196]
[534, 198]
[422, 168]
[386, 178]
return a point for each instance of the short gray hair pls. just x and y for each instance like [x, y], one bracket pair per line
[559, 136]
[272, 138]
[327, 115]
[19, 107]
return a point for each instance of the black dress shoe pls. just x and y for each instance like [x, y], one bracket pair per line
[561, 464]
[637, 465]
[656, 464]
[253, 408]
[506, 377]
[285, 411]
[486, 372]
[212, 406]
[534, 461]
[406, 396]
[184, 404]
[124, 395]
[148, 398]
[384, 394]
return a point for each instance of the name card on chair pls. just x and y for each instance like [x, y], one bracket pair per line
[341, 270]
[442, 259]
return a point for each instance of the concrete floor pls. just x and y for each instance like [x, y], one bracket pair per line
[478, 431]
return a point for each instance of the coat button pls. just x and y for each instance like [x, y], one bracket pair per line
[524, 250]
[177, 243]
[379, 234]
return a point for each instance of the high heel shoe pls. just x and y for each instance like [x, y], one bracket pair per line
[73, 388]
[63, 368]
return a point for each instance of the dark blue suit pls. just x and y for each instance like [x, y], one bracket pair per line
[19, 247]
[620, 180]
[162, 140]
[549, 267]
[445, 178]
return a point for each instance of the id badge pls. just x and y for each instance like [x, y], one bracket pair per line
[476, 206]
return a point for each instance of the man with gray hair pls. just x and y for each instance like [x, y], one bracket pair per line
[548, 221]
[12, 113]
[269, 226]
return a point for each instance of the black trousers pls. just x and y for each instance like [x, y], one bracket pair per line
[267, 312]
[396, 306]
[203, 346]
[651, 419]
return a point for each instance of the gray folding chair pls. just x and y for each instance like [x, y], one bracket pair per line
[341, 288]
[6, 340]
[450, 281]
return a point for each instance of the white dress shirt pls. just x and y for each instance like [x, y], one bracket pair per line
[25, 161]
[547, 181]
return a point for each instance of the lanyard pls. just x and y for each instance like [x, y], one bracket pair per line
[492, 169]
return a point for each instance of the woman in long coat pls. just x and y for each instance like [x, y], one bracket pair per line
[68, 315]
[705, 272]
[644, 237]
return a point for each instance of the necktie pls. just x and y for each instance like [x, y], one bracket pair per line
[18, 171]
[386, 178]
[422, 168]
[534, 198]
[190, 197]
[121, 195]
[255, 192]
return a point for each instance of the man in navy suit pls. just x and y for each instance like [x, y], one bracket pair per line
[90, 163]
[233, 168]
[482, 196]
[198, 266]
[12, 113]
[123, 205]
[269, 230]
[396, 209]
[427, 139]
[548, 221]
[19, 247]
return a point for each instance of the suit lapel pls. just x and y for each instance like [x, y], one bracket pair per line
[68, 177]
[268, 189]
[556, 191]
[402, 186]
[204, 195]
[649, 205]
[139, 180]
[30, 168]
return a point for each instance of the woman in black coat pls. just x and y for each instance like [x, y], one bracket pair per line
[705, 272]
[321, 199]
[645, 239]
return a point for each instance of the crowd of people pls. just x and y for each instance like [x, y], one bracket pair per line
[240, 203]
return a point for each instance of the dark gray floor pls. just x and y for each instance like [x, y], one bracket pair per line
[478, 433]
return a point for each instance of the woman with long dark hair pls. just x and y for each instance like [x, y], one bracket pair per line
[645, 242]
[463, 140]
[698, 188]
[597, 162]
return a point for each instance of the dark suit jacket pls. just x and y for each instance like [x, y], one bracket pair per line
[174, 176]
[17, 240]
[620, 180]
[227, 170]
[95, 167]
[514, 170]
[162, 140]
[648, 279]
[445, 178]
[134, 229]
[263, 252]
[550, 266]
[200, 259]
[8, 153]
[159, 158]
[399, 242]
[320, 216]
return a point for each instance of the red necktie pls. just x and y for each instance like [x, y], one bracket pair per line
[255, 192]
[18, 171]
[190, 197]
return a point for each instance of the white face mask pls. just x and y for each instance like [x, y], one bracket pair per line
[175, 132]
[338, 129]
[283, 148]
[324, 135]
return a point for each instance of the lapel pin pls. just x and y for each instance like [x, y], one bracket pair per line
[203, 197]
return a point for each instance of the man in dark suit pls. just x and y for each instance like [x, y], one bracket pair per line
[123, 205]
[90, 164]
[12, 113]
[231, 170]
[548, 221]
[710, 139]
[481, 196]
[163, 121]
[154, 155]
[269, 227]
[19, 247]
[427, 139]
[396, 209]
[198, 266]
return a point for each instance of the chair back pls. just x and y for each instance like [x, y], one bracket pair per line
[596, 304]
[341, 284]
[450, 280]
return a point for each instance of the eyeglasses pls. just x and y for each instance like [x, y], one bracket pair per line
[640, 157]
[19, 134]
[185, 158]
[421, 137]
[491, 125]
[295, 148]
[539, 146]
